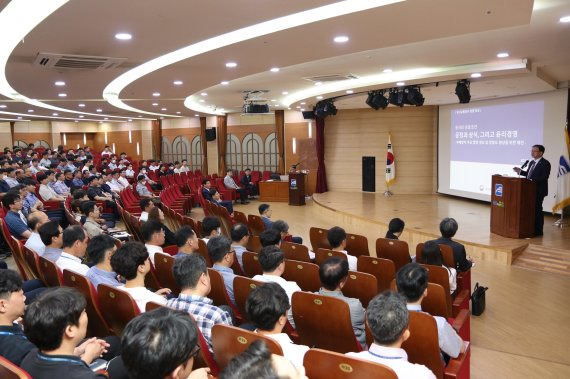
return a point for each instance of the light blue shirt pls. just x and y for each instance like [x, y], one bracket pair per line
[239, 253]
[228, 275]
[98, 276]
[51, 253]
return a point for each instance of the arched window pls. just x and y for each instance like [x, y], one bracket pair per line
[42, 143]
[271, 153]
[195, 162]
[180, 149]
[166, 152]
[252, 156]
[20, 144]
[233, 152]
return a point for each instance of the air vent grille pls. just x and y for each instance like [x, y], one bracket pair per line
[331, 78]
[75, 62]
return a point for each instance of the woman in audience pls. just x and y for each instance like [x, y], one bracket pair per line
[156, 214]
[395, 228]
[431, 255]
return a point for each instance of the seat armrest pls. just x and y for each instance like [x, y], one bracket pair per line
[461, 301]
[462, 324]
[458, 368]
[51, 205]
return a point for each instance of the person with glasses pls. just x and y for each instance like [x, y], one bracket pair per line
[15, 220]
[162, 343]
[223, 257]
[74, 246]
[99, 252]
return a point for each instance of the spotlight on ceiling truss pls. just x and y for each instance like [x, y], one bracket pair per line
[377, 100]
[325, 108]
[396, 97]
[413, 96]
[462, 91]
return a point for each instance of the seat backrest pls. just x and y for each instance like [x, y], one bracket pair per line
[17, 250]
[218, 293]
[241, 217]
[336, 334]
[423, 345]
[203, 251]
[446, 253]
[117, 306]
[242, 288]
[151, 306]
[295, 251]
[163, 268]
[8, 370]
[383, 269]
[251, 265]
[229, 341]
[362, 286]
[356, 245]
[322, 364]
[51, 274]
[318, 237]
[254, 244]
[97, 326]
[32, 261]
[255, 224]
[435, 303]
[394, 250]
[170, 250]
[305, 274]
[322, 255]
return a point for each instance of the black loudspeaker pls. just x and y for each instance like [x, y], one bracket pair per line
[308, 115]
[210, 134]
[369, 174]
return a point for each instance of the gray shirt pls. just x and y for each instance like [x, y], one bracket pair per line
[142, 190]
[356, 314]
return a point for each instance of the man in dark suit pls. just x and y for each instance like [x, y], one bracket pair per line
[538, 171]
[448, 227]
[248, 183]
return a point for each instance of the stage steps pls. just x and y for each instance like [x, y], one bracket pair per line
[546, 259]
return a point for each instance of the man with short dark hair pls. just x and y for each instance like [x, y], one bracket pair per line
[337, 239]
[141, 189]
[74, 244]
[186, 240]
[388, 320]
[51, 235]
[239, 234]
[247, 182]
[211, 227]
[146, 205]
[448, 227]
[270, 237]
[191, 275]
[283, 228]
[265, 213]
[14, 219]
[216, 198]
[99, 252]
[46, 192]
[272, 263]
[96, 193]
[153, 236]
[333, 274]
[222, 255]
[229, 182]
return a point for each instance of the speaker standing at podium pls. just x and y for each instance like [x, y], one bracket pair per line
[538, 171]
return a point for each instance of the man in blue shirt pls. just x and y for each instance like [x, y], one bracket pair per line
[15, 220]
[219, 249]
[100, 250]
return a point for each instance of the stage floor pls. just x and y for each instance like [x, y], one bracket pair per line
[422, 214]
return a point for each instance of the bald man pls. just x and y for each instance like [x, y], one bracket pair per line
[34, 242]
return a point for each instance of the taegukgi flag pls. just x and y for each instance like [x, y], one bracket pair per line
[390, 163]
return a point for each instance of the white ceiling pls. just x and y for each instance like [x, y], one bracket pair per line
[413, 34]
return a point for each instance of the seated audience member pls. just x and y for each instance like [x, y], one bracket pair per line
[114, 184]
[191, 275]
[431, 255]
[186, 240]
[157, 215]
[146, 205]
[14, 219]
[132, 263]
[265, 213]
[283, 228]
[206, 186]
[229, 182]
[388, 320]
[337, 239]
[122, 179]
[412, 283]
[258, 362]
[99, 252]
[161, 344]
[91, 210]
[74, 245]
[34, 242]
[216, 198]
[31, 203]
[211, 227]
[68, 179]
[153, 237]
[129, 172]
[267, 307]
[51, 235]
[141, 189]
[222, 255]
[10, 178]
[395, 228]
[248, 184]
[240, 237]
[77, 181]
[46, 192]
[448, 228]
[96, 193]
[333, 274]
[272, 263]
[56, 323]
[59, 186]
[270, 237]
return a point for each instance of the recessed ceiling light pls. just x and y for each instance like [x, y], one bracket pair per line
[162, 118]
[274, 69]
[81, 105]
[318, 83]
[349, 91]
[55, 114]
[81, 116]
[100, 122]
[298, 107]
[154, 104]
[31, 110]
[202, 100]
[62, 94]
[76, 121]
[302, 109]
[123, 36]
[178, 82]
[139, 116]
[231, 64]
[162, 109]
[565, 19]
[99, 110]
[340, 39]
[19, 117]
[401, 84]
[156, 94]
[59, 83]
[503, 55]
[224, 83]
[178, 112]
[387, 70]
[106, 118]
[284, 93]
[2, 106]
[303, 103]
[273, 100]
[319, 97]
[204, 94]
[197, 115]
[475, 75]
[130, 119]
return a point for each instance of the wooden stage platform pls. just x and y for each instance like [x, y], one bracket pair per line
[371, 212]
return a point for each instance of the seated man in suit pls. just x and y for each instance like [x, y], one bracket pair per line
[247, 182]
[448, 227]
[216, 198]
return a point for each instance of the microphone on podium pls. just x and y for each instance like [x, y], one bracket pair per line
[520, 169]
[525, 164]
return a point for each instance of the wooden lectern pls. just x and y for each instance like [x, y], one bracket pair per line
[512, 206]
[297, 188]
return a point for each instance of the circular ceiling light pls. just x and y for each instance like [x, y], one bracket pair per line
[59, 83]
[154, 104]
[62, 94]
[156, 94]
[123, 36]
[178, 82]
[503, 55]
[99, 110]
[350, 91]
[204, 94]
[319, 97]
[340, 39]
[231, 64]
[387, 70]
[81, 105]
[274, 69]
[565, 19]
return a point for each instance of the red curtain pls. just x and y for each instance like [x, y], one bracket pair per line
[320, 144]
[222, 134]
[204, 146]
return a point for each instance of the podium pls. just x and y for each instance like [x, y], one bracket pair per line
[512, 206]
[297, 188]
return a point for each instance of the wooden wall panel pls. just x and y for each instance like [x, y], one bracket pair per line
[33, 137]
[305, 154]
[355, 133]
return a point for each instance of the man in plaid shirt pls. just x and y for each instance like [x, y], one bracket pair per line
[191, 274]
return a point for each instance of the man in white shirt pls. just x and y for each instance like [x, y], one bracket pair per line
[184, 166]
[10, 178]
[266, 308]
[153, 237]
[46, 192]
[114, 183]
[153, 166]
[146, 205]
[272, 262]
[123, 179]
[129, 172]
[388, 320]
[34, 242]
[74, 245]
[337, 240]
[131, 261]
[211, 227]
